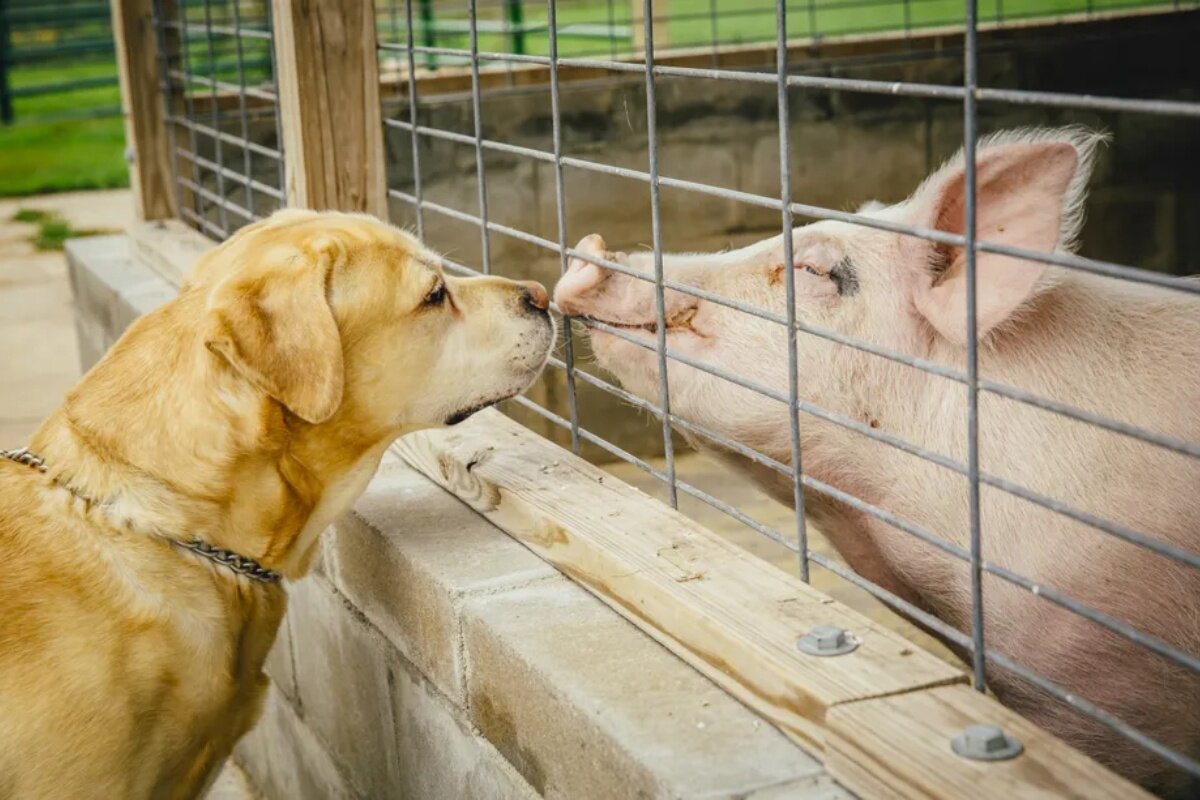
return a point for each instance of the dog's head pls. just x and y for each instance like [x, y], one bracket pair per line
[345, 320]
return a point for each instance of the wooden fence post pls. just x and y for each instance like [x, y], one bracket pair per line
[331, 122]
[142, 107]
[637, 25]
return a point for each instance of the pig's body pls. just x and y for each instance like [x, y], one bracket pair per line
[1120, 350]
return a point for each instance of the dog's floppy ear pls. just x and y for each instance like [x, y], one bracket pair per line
[273, 324]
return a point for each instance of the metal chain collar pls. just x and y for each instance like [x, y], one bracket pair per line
[218, 555]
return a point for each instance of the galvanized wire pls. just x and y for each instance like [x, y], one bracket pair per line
[1115, 529]
[919, 532]
[660, 303]
[215, 114]
[477, 117]
[970, 95]
[560, 208]
[933, 368]
[207, 181]
[789, 271]
[1173, 108]
[412, 116]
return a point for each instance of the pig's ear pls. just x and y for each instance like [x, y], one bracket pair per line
[1030, 188]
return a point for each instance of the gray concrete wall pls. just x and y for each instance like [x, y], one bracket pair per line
[432, 657]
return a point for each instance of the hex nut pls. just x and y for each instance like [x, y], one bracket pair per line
[986, 742]
[827, 640]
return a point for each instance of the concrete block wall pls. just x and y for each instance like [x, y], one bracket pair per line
[430, 656]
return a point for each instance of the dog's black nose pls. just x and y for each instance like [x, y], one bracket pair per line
[535, 295]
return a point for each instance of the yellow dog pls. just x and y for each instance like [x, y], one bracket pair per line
[144, 533]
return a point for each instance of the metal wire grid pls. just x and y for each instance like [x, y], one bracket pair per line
[970, 95]
[216, 64]
[609, 27]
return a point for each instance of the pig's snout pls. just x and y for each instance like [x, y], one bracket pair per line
[583, 278]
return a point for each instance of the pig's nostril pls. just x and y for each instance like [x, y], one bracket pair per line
[535, 295]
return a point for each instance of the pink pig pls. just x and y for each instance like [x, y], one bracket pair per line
[1121, 350]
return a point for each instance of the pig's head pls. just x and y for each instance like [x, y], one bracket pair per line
[887, 288]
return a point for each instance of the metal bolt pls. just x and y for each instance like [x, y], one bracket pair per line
[986, 743]
[827, 640]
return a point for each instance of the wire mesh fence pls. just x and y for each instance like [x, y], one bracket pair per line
[216, 62]
[443, 139]
[56, 61]
[514, 129]
[615, 27]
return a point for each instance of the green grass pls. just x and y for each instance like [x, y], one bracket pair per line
[62, 156]
[46, 151]
[53, 231]
[690, 22]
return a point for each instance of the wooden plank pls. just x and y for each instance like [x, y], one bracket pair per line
[328, 85]
[731, 616]
[899, 747]
[142, 108]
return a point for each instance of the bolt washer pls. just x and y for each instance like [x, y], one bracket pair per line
[827, 640]
[986, 743]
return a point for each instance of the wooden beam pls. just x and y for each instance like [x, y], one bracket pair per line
[884, 714]
[146, 137]
[899, 747]
[328, 86]
[731, 616]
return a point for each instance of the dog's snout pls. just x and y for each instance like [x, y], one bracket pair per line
[535, 295]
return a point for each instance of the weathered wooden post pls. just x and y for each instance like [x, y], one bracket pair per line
[331, 122]
[637, 24]
[146, 137]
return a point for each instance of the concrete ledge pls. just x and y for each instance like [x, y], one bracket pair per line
[110, 292]
[435, 657]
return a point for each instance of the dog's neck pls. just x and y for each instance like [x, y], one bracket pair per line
[199, 456]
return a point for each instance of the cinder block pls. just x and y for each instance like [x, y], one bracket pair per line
[407, 556]
[820, 787]
[279, 664]
[110, 290]
[438, 755]
[584, 705]
[284, 760]
[341, 678]
[231, 784]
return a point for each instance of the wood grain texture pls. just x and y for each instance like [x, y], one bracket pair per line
[899, 747]
[142, 108]
[331, 122]
[731, 616]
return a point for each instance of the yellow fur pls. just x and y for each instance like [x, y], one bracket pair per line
[249, 412]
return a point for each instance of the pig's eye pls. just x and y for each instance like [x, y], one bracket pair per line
[811, 270]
